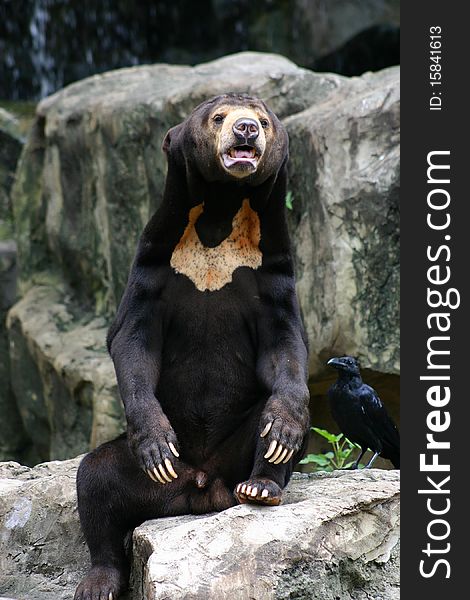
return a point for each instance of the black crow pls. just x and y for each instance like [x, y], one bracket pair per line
[360, 414]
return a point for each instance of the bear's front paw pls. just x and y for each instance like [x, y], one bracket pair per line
[155, 446]
[283, 432]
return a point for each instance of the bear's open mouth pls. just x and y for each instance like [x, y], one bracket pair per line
[242, 154]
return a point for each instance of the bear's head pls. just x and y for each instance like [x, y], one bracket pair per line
[232, 137]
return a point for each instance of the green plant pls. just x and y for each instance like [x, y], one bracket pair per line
[289, 200]
[336, 458]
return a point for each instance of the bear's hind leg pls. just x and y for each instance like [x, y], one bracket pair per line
[104, 528]
[114, 497]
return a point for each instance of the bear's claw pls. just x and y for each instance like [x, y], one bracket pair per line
[278, 454]
[101, 582]
[259, 491]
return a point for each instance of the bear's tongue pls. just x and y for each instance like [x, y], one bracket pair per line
[243, 152]
[240, 155]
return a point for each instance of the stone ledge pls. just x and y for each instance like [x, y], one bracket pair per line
[335, 536]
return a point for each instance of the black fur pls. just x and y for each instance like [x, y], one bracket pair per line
[207, 370]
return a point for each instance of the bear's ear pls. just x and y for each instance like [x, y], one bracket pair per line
[169, 137]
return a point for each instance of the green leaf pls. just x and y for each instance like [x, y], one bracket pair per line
[336, 458]
[289, 200]
[353, 444]
[318, 459]
[345, 452]
[331, 437]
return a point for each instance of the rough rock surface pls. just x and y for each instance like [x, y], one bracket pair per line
[345, 177]
[11, 143]
[324, 27]
[42, 550]
[12, 441]
[335, 536]
[61, 374]
[92, 172]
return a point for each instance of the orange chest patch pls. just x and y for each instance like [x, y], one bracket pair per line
[212, 268]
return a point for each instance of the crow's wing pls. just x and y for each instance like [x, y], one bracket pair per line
[378, 419]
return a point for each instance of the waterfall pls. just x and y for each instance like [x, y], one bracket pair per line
[46, 44]
[42, 61]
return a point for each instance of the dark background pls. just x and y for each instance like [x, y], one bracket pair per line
[46, 44]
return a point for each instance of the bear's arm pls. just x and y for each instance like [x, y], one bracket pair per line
[135, 343]
[282, 366]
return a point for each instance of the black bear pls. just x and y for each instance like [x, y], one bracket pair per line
[208, 343]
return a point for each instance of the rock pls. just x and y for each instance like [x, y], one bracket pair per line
[336, 535]
[62, 376]
[344, 178]
[92, 172]
[14, 442]
[11, 143]
[42, 554]
[8, 273]
[324, 29]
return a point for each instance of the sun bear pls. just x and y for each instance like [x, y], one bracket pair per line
[208, 344]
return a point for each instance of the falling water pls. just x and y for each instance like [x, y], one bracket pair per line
[43, 62]
[49, 43]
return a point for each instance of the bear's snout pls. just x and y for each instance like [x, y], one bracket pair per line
[245, 129]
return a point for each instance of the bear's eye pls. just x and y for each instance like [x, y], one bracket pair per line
[218, 119]
[264, 123]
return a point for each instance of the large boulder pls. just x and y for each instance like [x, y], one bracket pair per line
[42, 550]
[13, 442]
[344, 176]
[92, 172]
[61, 374]
[335, 536]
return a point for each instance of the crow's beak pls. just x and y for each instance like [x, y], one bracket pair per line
[334, 362]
